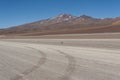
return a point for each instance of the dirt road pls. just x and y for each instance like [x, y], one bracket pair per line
[59, 59]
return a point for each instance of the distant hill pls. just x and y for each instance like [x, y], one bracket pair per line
[65, 24]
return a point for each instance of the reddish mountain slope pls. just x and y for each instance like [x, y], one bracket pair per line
[66, 24]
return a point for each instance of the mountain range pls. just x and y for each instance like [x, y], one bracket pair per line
[65, 24]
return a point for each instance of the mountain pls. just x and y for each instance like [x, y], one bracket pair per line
[66, 24]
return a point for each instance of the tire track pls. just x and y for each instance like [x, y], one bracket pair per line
[41, 61]
[70, 67]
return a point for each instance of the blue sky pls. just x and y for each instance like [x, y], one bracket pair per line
[16, 12]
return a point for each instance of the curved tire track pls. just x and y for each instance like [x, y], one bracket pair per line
[41, 61]
[70, 67]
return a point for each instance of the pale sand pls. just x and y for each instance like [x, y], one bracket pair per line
[48, 59]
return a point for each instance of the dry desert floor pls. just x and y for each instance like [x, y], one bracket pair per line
[59, 59]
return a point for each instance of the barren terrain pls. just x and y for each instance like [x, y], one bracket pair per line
[65, 24]
[66, 36]
[59, 59]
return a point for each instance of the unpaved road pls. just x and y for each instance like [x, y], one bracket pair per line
[59, 59]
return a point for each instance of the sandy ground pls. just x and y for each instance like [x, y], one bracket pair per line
[67, 36]
[59, 59]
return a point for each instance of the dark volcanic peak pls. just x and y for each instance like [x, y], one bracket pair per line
[83, 19]
[86, 17]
